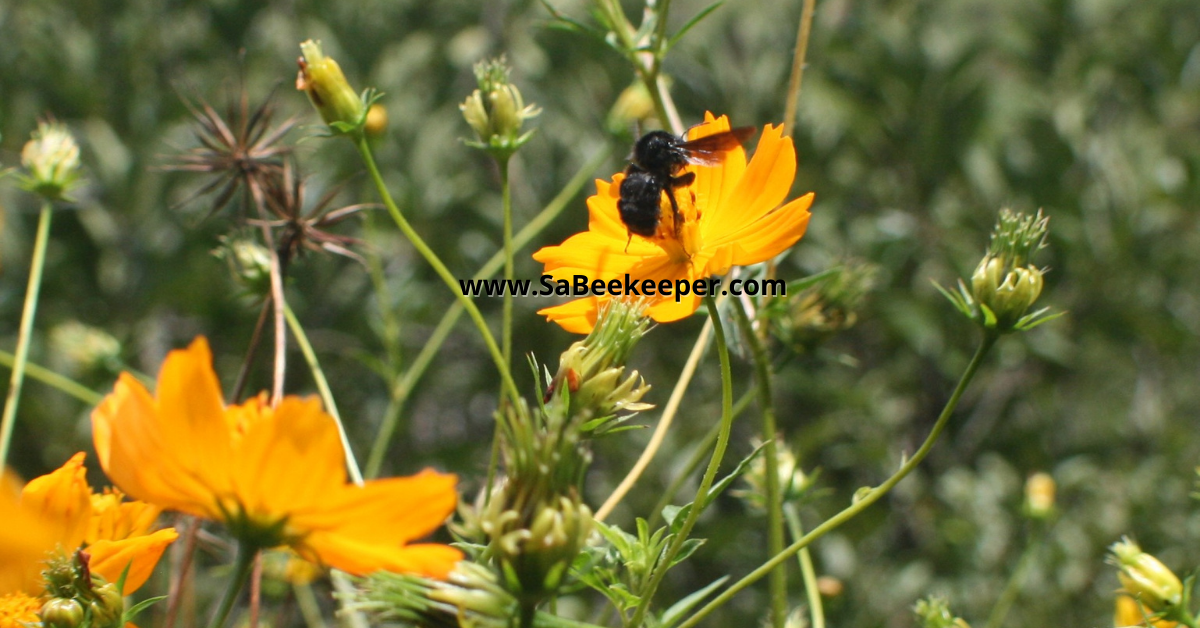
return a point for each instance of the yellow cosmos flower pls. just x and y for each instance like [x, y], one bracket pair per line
[731, 215]
[274, 476]
[1130, 612]
[58, 512]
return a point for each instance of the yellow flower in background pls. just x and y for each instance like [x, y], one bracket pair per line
[1130, 613]
[274, 475]
[731, 215]
[58, 512]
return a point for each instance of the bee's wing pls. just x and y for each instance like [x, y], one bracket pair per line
[710, 149]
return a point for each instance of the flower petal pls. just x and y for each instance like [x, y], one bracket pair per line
[760, 189]
[392, 511]
[62, 501]
[140, 554]
[772, 234]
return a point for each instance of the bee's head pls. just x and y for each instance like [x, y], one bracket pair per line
[658, 152]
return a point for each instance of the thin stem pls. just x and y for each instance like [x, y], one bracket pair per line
[762, 377]
[255, 589]
[243, 375]
[175, 596]
[1012, 589]
[26, 331]
[660, 430]
[710, 474]
[280, 304]
[365, 150]
[244, 563]
[506, 319]
[54, 380]
[793, 94]
[310, 356]
[402, 390]
[310, 609]
[815, 608]
[695, 460]
[860, 504]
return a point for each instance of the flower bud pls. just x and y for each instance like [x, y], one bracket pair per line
[377, 120]
[1144, 577]
[496, 111]
[793, 483]
[1130, 614]
[1039, 496]
[826, 305]
[634, 106]
[934, 612]
[108, 607]
[85, 348]
[249, 262]
[322, 79]
[51, 161]
[61, 612]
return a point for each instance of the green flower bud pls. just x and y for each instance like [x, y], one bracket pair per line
[1144, 577]
[249, 262]
[62, 613]
[108, 607]
[321, 78]
[496, 111]
[51, 160]
[1039, 496]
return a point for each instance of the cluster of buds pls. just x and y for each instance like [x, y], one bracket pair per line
[470, 596]
[1147, 580]
[1005, 284]
[934, 612]
[51, 161]
[78, 598]
[793, 482]
[496, 110]
[343, 109]
[533, 523]
[591, 385]
[822, 305]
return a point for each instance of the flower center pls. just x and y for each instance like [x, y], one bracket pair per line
[679, 235]
[18, 609]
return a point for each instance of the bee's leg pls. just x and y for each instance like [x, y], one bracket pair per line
[628, 242]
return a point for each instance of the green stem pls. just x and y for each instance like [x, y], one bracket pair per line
[762, 377]
[815, 609]
[863, 501]
[369, 159]
[506, 319]
[710, 474]
[26, 331]
[1013, 587]
[310, 609]
[793, 94]
[402, 390]
[310, 357]
[241, 573]
[695, 460]
[54, 380]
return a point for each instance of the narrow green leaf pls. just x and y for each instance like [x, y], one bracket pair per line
[692, 22]
[672, 615]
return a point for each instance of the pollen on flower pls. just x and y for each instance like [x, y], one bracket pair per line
[18, 610]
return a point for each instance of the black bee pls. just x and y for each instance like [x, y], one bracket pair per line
[654, 168]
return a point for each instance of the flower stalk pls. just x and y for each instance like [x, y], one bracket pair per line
[762, 378]
[710, 473]
[242, 566]
[863, 500]
[28, 312]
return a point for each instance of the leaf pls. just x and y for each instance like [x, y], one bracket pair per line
[686, 549]
[692, 22]
[678, 609]
[720, 486]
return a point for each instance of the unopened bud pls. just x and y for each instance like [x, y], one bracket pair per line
[249, 262]
[51, 161]
[321, 78]
[934, 612]
[496, 111]
[61, 612]
[1145, 577]
[1039, 496]
[377, 120]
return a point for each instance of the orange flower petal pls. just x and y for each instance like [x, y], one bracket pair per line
[391, 511]
[289, 460]
[772, 234]
[362, 558]
[761, 188]
[139, 554]
[24, 542]
[577, 317]
[62, 501]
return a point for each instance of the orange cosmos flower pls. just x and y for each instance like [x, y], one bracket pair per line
[274, 476]
[1131, 613]
[58, 512]
[730, 216]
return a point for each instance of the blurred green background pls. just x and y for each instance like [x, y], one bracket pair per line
[918, 120]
